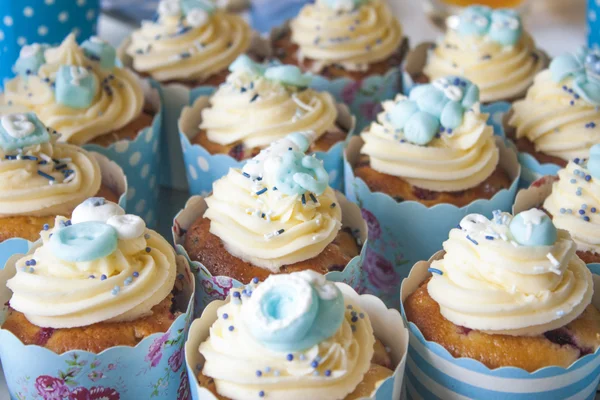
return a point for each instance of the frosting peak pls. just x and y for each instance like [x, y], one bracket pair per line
[489, 282]
[292, 337]
[101, 266]
[279, 209]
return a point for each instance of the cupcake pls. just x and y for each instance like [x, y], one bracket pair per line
[507, 292]
[260, 104]
[275, 215]
[557, 120]
[433, 147]
[98, 308]
[351, 39]
[489, 47]
[40, 178]
[293, 336]
[190, 42]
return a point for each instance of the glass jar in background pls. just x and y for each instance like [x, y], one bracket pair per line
[439, 10]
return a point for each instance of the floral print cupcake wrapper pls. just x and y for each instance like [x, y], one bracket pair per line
[432, 372]
[152, 369]
[203, 168]
[388, 327]
[212, 288]
[400, 234]
[140, 160]
[112, 177]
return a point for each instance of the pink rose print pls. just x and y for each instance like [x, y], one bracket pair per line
[51, 388]
[183, 392]
[380, 272]
[95, 393]
[95, 376]
[176, 360]
[370, 109]
[111, 367]
[372, 224]
[155, 352]
[349, 91]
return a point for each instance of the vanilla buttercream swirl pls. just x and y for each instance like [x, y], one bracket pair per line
[501, 72]
[453, 161]
[257, 111]
[242, 367]
[118, 97]
[174, 49]
[574, 204]
[121, 286]
[353, 39]
[46, 179]
[487, 281]
[556, 120]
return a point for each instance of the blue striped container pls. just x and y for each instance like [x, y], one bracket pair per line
[433, 373]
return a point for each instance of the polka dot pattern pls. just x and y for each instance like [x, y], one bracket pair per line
[593, 26]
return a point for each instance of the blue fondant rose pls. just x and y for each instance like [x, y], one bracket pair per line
[441, 104]
[583, 66]
[501, 26]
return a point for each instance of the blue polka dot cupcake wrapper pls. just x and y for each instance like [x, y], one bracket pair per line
[593, 23]
[401, 234]
[388, 327]
[154, 368]
[140, 160]
[217, 287]
[433, 373]
[203, 168]
[42, 21]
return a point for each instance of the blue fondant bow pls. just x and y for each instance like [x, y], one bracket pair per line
[501, 26]
[584, 67]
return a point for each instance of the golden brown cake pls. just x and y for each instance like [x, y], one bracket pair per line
[128, 132]
[525, 146]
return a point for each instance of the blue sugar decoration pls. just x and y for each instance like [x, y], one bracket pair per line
[289, 357]
[225, 315]
[231, 328]
[472, 240]
[435, 271]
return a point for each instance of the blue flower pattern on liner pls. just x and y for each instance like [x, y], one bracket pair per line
[288, 75]
[502, 26]
[98, 50]
[441, 104]
[31, 58]
[583, 66]
[21, 130]
[75, 87]
[533, 228]
[593, 163]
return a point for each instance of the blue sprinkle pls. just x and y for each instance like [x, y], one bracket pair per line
[128, 281]
[255, 280]
[46, 227]
[103, 277]
[361, 315]
[45, 175]
[247, 175]
[225, 315]
[274, 188]
[237, 295]
[327, 372]
[316, 373]
[261, 191]
[353, 328]
[258, 373]
[148, 249]
[91, 277]
[261, 393]
[349, 306]
[593, 209]
[253, 99]
[31, 270]
[303, 199]
[472, 240]
[314, 364]
[581, 212]
[489, 237]
[231, 328]
[573, 180]
[562, 210]
[136, 274]
[576, 160]
[435, 271]
[313, 198]
[116, 290]
[289, 357]
[586, 218]
[302, 357]
[588, 178]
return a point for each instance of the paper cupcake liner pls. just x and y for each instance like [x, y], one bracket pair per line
[364, 97]
[140, 161]
[153, 368]
[112, 177]
[400, 234]
[387, 327]
[212, 288]
[203, 168]
[432, 372]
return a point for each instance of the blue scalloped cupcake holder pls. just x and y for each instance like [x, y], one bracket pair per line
[433, 373]
[140, 160]
[400, 234]
[210, 288]
[203, 168]
[152, 369]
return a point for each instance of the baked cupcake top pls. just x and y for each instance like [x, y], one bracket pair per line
[189, 40]
[38, 176]
[77, 91]
[510, 275]
[575, 201]
[279, 209]
[490, 48]
[292, 336]
[102, 265]
[561, 111]
[259, 104]
[350, 33]
[436, 139]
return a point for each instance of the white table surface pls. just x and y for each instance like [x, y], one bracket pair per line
[557, 26]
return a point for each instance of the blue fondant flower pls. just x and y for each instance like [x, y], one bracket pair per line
[442, 103]
[584, 67]
[502, 26]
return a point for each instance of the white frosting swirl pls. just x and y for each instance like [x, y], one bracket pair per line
[175, 48]
[233, 358]
[451, 162]
[501, 72]
[492, 284]
[574, 204]
[26, 189]
[554, 120]
[125, 286]
[109, 111]
[257, 111]
[353, 39]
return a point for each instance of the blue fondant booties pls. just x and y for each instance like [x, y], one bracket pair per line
[583, 66]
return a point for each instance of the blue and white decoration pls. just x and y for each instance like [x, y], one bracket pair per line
[502, 26]
[583, 66]
[25, 22]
